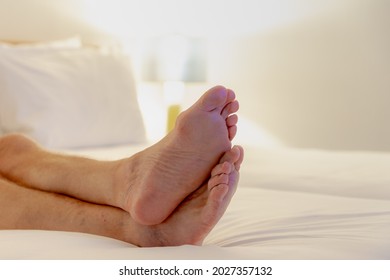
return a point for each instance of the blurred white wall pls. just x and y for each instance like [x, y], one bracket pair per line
[311, 73]
[323, 82]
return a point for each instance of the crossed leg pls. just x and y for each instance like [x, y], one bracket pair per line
[192, 220]
[167, 171]
[25, 208]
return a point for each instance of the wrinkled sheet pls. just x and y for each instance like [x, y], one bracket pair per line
[290, 204]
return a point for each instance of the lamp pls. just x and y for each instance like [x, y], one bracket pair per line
[174, 60]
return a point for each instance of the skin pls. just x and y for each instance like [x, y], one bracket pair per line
[168, 171]
[194, 218]
[172, 193]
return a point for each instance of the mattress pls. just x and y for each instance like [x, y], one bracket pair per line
[290, 204]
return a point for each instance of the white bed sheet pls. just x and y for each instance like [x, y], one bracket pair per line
[291, 204]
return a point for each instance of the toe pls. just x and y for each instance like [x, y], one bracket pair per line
[232, 155]
[237, 164]
[217, 202]
[230, 108]
[232, 131]
[232, 120]
[231, 95]
[214, 98]
[215, 207]
[218, 193]
[218, 180]
[222, 168]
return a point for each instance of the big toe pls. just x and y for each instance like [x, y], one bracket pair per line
[215, 98]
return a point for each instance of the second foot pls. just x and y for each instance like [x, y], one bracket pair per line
[198, 214]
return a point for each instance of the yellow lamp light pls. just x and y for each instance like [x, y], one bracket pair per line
[174, 60]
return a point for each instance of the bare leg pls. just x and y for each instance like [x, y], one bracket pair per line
[24, 162]
[24, 208]
[167, 171]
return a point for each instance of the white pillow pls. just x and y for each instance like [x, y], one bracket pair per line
[72, 42]
[66, 98]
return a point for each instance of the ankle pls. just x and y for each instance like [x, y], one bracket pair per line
[122, 182]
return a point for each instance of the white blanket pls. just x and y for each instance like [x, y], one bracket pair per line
[290, 204]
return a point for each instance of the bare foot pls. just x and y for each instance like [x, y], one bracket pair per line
[160, 177]
[197, 215]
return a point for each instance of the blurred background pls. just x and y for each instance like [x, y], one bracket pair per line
[308, 74]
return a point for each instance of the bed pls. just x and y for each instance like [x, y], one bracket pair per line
[290, 203]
